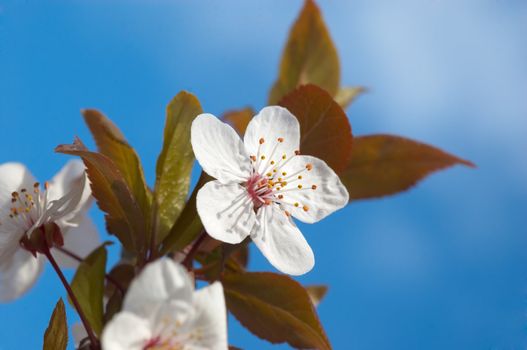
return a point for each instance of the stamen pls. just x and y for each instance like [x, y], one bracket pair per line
[305, 207]
[296, 204]
[262, 140]
[280, 139]
[299, 187]
[314, 187]
[309, 166]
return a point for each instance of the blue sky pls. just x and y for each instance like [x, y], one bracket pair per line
[442, 266]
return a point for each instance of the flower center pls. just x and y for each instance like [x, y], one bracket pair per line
[270, 183]
[26, 207]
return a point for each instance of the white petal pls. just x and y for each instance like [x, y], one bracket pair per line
[18, 274]
[219, 150]
[270, 124]
[80, 240]
[330, 194]
[281, 242]
[226, 211]
[211, 318]
[13, 177]
[126, 331]
[159, 282]
[79, 334]
[69, 195]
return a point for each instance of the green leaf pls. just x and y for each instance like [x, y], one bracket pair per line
[174, 164]
[124, 217]
[324, 127]
[239, 119]
[309, 56]
[347, 95]
[276, 308]
[88, 287]
[112, 143]
[316, 293]
[56, 336]
[383, 165]
[188, 226]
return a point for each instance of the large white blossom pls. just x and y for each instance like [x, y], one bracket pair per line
[261, 182]
[25, 206]
[161, 310]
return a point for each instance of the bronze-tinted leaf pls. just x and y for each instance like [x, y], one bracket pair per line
[239, 119]
[382, 165]
[174, 164]
[309, 56]
[124, 217]
[316, 293]
[346, 95]
[88, 287]
[56, 336]
[188, 226]
[276, 308]
[112, 143]
[325, 129]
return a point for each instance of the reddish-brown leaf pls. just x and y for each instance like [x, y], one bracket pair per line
[382, 165]
[325, 129]
[239, 119]
[124, 217]
[276, 308]
[112, 143]
[309, 56]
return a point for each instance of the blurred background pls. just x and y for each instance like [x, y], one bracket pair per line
[443, 266]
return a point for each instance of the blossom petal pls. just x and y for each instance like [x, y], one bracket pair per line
[13, 177]
[126, 331]
[271, 124]
[322, 192]
[211, 318]
[226, 211]
[69, 195]
[159, 282]
[281, 242]
[219, 150]
[80, 240]
[18, 274]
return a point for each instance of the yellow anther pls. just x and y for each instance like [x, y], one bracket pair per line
[309, 166]
[269, 174]
[278, 188]
[284, 173]
[274, 170]
[284, 183]
[284, 156]
[305, 207]
[279, 179]
[299, 186]
[262, 157]
[262, 140]
[272, 162]
[280, 139]
[300, 177]
[296, 204]
[280, 196]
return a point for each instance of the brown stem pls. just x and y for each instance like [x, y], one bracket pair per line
[190, 256]
[93, 339]
[79, 259]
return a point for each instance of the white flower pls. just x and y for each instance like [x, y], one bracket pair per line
[161, 310]
[262, 182]
[26, 207]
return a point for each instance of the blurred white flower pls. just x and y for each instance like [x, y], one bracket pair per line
[26, 208]
[262, 182]
[161, 310]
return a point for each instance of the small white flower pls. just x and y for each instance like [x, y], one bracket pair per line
[25, 207]
[161, 310]
[262, 182]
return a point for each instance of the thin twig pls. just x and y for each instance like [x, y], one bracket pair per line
[93, 339]
[190, 256]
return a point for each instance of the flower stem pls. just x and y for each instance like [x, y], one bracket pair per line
[79, 259]
[190, 256]
[93, 339]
